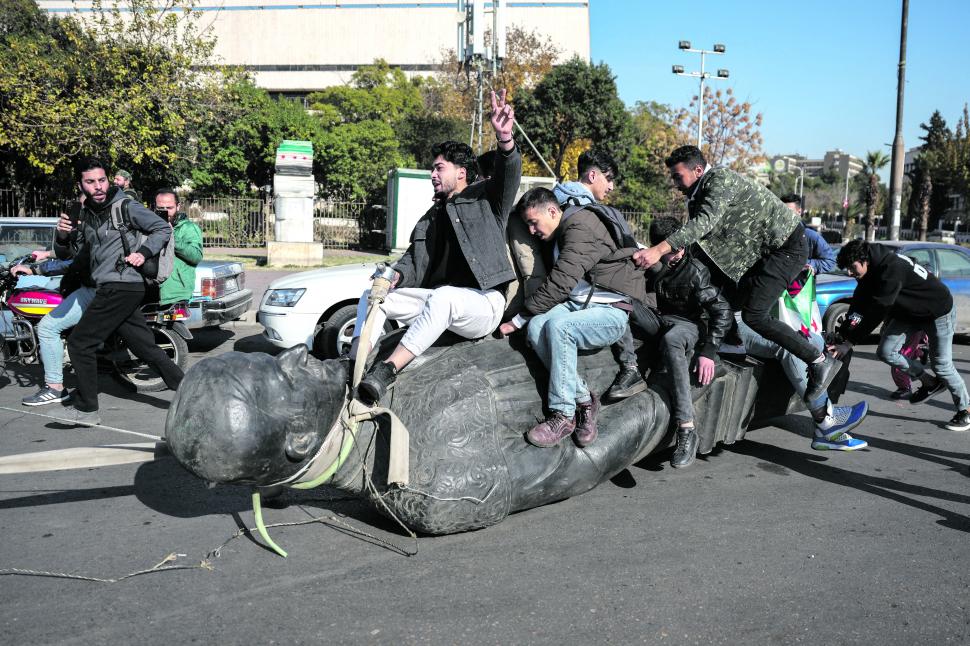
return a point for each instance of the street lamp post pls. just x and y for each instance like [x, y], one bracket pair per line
[721, 74]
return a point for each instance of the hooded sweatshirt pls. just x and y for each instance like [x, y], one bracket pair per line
[573, 193]
[101, 245]
[894, 287]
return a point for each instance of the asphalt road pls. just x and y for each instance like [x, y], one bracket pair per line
[762, 542]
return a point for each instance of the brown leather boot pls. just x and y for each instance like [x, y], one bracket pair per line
[549, 432]
[586, 430]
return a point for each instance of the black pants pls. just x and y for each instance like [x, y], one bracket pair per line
[115, 308]
[762, 286]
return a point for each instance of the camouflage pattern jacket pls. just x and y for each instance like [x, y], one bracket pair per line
[735, 221]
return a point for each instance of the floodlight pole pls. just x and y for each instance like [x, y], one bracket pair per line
[702, 75]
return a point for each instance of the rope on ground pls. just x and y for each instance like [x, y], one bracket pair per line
[67, 421]
[166, 564]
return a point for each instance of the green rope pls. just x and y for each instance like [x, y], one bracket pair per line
[347, 443]
[258, 515]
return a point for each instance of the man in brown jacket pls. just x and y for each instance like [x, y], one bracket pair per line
[584, 303]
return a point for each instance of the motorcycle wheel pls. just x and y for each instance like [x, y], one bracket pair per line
[143, 377]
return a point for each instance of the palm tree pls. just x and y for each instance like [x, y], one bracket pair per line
[876, 160]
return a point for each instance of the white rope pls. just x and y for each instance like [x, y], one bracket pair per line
[157, 438]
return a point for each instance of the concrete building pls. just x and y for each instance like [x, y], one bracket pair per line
[296, 48]
[840, 163]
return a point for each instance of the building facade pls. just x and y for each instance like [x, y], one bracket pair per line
[296, 48]
[841, 164]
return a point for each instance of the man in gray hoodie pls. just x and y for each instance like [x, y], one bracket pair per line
[113, 267]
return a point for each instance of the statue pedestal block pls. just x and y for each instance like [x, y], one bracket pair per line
[298, 254]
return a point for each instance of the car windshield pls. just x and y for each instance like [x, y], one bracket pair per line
[20, 239]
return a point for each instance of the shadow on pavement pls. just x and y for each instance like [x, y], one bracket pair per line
[255, 343]
[815, 466]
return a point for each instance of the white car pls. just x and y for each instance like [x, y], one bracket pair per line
[316, 307]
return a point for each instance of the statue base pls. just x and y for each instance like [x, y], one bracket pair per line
[294, 254]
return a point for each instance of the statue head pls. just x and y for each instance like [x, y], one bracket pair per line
[249, 418]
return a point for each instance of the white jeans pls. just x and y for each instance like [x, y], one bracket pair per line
[471, 313]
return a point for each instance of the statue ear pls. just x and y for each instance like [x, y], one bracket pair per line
[291, 359]
[298, 445]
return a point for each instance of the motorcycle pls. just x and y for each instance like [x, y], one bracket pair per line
[21, 309]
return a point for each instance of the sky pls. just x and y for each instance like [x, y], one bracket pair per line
[822, 72]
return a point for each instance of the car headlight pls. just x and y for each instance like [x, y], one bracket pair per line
[284, 297]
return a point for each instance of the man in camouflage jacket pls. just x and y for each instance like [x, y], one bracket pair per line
[752, 243]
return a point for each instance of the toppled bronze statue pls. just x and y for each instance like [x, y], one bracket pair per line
[252, 419]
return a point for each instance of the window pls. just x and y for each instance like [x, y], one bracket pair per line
[922, 257]
[953, 264]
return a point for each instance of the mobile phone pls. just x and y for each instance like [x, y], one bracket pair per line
[74, 212]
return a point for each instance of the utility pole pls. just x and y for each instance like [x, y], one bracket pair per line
[477, 59]
[896, 175]
[721, 74]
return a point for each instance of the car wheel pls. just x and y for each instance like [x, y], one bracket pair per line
[333, 336]
[834, 316]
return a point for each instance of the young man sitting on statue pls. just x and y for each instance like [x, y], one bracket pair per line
[583, 303]
[453, 275]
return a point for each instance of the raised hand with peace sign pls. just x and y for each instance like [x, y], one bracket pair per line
[503, 120]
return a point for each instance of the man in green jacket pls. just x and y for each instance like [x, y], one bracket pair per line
[188, 249]
[752, 242]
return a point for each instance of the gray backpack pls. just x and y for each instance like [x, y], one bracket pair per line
[156, 269]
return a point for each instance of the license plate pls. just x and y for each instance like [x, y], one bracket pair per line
[231, 285]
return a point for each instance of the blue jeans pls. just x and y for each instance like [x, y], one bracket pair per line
[793, 367]
[940, 332]
[560, 333]
[63, 317]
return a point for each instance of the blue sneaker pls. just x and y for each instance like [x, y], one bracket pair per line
[836, 437]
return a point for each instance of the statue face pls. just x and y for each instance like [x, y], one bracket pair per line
[254, 419]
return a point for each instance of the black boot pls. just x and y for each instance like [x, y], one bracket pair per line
[686, 448]
[627, 383]
[820, 375]
[375, 383]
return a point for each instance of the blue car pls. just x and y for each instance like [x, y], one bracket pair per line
[950, 262]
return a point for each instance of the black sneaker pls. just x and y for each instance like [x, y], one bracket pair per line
[686, 449]
[820, 375]
[924, 392]
[46, 395]
[960, 422]
[375, 383]
[627, 383]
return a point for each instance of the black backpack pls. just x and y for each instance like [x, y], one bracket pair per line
[612, 219]
[619, 230]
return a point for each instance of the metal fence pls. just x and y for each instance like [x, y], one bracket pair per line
[340, 225]
[233, 221]
[230, 221]
[32, 204]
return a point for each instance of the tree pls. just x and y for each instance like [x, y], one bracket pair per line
[731, 134]
[577, 100]
[644, 184]
[875, 161]
[236, 150]
[451, 93]
[128, 87]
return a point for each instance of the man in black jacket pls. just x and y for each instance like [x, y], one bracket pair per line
[694, 318]
[583, 303]
[894, 289]
[453, 275]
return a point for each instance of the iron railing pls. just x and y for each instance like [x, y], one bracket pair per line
[230, 221]
[349, 225]
[30, 204]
